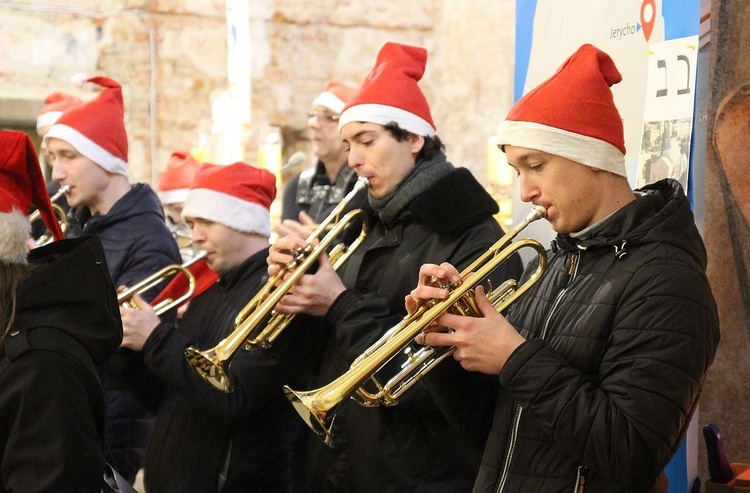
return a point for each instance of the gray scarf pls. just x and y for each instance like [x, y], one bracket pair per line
[424, 175]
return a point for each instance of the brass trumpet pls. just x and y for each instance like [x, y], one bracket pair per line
[213, 364]
[318, 407]
[59, 212]
[125, 297]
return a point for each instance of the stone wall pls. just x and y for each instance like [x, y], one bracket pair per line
[171, 58]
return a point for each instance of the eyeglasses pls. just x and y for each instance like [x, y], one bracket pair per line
[323, 117]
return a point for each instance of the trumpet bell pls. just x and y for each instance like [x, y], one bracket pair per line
[316, 416]
[210, 366]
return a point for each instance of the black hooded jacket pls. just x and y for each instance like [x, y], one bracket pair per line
[621, 330]
[52, 416]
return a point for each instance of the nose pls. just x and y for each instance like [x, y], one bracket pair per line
[354, 159]
[529, 190]
[313, 122]
[58, 173]
[198, 235]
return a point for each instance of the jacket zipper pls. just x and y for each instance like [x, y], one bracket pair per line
[572, 272]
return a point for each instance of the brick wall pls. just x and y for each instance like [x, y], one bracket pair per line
[170, 56]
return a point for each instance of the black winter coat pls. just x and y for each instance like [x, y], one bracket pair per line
[432, 440]
[137, 243]
[621, 331]
[52, 416]
[197, 425]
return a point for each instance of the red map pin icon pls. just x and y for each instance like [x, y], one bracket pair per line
[648, 15]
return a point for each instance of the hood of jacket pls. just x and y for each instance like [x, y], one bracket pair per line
[661, 213]
[70, 288]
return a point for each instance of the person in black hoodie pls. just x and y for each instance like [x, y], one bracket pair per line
[88, 150]
[601, 363]
[58, 319]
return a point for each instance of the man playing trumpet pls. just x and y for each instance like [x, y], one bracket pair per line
[602, 362]
[205, 440]
[420, 207]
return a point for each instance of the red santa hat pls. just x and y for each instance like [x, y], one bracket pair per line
[21, 185]
[238, 196]
[53, 108]
[572, 114]
[390, 92]
[177, 177]
[335, 95]
[96, 128]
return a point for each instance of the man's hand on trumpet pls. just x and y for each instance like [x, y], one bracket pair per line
[482, 344]
[137, 323]
[312, 294]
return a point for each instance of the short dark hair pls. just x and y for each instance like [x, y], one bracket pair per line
[432, 144]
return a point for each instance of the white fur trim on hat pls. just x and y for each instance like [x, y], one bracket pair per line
[330, 101]
[582, 149]
[173, 196]
[16, 230]
[90, 149]
[382, 115]
[47, 119]
[228, 210]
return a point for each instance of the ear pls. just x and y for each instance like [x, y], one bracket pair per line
[416, 143]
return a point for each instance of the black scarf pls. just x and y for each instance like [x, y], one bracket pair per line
[424, 175]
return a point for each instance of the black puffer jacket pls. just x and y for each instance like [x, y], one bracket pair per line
[51, 406]
[137, 243]
[621, 332]
[432, 440]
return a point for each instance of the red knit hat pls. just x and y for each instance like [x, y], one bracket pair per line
[335, 95]
[390, 92]
[53, 108]
[97, 128]
[21, 184]
[177, 177]
[238, 196]
[572, 114]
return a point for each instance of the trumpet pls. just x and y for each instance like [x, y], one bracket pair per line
[213, 364]
[318, 407]
[59, 212]
[125, 297]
